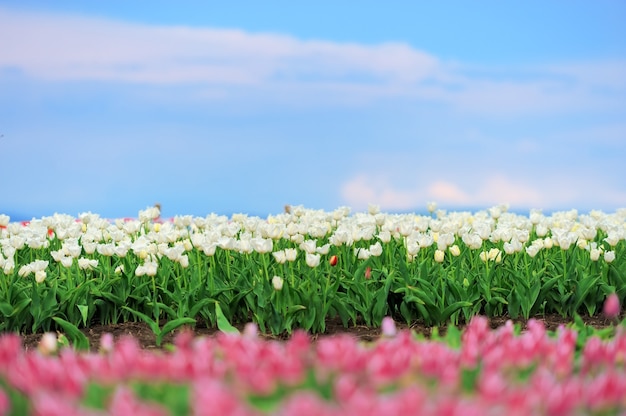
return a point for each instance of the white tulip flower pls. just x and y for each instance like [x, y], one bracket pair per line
[362, 253]
[183, 261]
[243, 246]
[376, 249]
[472, 240]
[612, 238]
[277, 282]
[87, 264]
[514, 246]
[309, 246]
[280, 256]
[609, 256]
[495, 254]
[384, 236]
[412, 247]
[9, 266]
[291, 254]
[40, 276]
[262, 245]
[323, 250]
[373, 209]
[312, 260]
[439, 256]
[594, 254]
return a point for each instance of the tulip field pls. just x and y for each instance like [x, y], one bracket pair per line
[287, 275]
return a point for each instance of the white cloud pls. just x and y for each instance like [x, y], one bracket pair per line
[493, 189]
[72, 47]
[447, 192]
[363, 189]
[57, 47]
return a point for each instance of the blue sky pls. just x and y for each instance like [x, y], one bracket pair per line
[208, 107]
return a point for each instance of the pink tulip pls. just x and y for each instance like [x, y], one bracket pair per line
[125, 403]
[5, 404]
[612, 306]
[106, 343]
[388, 327]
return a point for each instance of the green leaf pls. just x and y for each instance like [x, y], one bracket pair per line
[78, 339]
[151, 322]
[50, 301]
[453, 337]
[172, 325]
[6, 309]
[195, 310]
[514, 304]
[84, 311]
[222, 322]
[20, 307]
[292, 309]
[582, 290]
[450, 309]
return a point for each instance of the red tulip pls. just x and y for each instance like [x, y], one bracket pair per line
[333, 260]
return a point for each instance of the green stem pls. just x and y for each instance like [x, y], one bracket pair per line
[264, 261]
[156, 306]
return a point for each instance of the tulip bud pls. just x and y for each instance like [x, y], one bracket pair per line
[277, 282]
[611, 306]
[251, 330]
[48, 343]
[368, 273]
[388, 327]
[333, 260]
[106, 342]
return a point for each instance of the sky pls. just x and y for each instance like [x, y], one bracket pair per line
[244, 107]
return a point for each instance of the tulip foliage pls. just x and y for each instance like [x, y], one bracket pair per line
[296, 269]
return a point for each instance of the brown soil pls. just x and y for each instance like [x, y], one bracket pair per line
[147, 339]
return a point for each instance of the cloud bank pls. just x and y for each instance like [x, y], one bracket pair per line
[78, 48]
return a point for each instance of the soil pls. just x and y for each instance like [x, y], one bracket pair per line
[147, 339]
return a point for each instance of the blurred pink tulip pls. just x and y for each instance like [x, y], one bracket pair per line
[611, 306]
[388, 327]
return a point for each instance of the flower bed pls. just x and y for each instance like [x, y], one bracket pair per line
[479, 371]
[290, 273]
[296, 269]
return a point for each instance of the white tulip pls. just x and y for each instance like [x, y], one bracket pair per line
[609, 256]
[384, 236]
[280, 256]
[277, 282]
[362, 253]
[376, 249]
[40, 276]
[439, 256]
[87, 264]
[291, 254]
[594, 254]
[4, 220]
[309, 246]
[312, 260]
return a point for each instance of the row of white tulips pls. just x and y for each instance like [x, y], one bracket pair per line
[306, 230]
